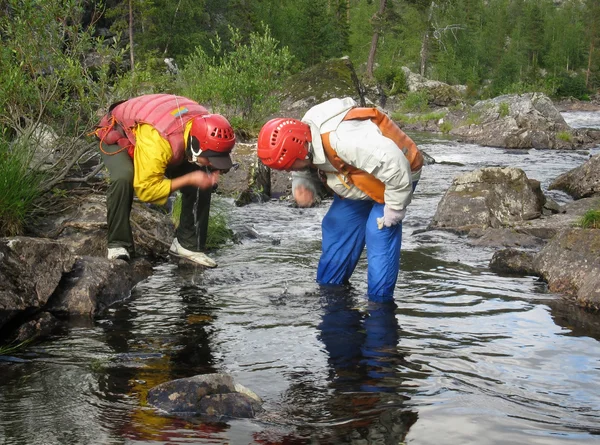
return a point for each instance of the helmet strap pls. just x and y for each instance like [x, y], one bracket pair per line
[194, 147]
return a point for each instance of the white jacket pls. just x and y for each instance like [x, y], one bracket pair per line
[360, 144]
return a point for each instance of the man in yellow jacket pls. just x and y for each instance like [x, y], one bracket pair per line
[154, 145]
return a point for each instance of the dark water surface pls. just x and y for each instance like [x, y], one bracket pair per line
[464, 357]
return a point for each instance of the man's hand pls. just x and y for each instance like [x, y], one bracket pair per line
[303, 196]
[203, 180]
[390, 217]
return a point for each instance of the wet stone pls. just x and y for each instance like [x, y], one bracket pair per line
[213, 395]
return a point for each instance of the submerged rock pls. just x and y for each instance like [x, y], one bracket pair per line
[213, 395]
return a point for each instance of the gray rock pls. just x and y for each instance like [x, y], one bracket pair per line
[30, 270]
[213, 395]
[581, 182]
[570, 264]
[489, 197]
[518, 121]
[95, 283]
[512, 261]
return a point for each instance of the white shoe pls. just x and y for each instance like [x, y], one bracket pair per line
[197, 257]
[118, 253]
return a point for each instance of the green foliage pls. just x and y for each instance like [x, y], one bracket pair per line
[392, 79]
[416, 101]
[19, 187]
[148, 77]
[473, 118]
[590, 220]
[564, 136]
[219, 234]
[240, 82]
[176, 210]
[14, 347]
[321, 33]
[503, 109]
[446, 127]
[417, 118]
[572, 86]
[53, 68]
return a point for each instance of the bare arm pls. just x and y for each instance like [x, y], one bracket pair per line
[196, 178]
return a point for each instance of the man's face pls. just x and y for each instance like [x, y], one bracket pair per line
[205, 162]
[299, 164]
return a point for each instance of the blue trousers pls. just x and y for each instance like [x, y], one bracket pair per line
[347, 228]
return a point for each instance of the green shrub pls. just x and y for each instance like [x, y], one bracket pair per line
[446, 127]
[572, 86]
[19, 187]
[240, 80]
[219, 234]
[417, 101]
[503, 109]
[14, 347]
[393, 80]
[590, 220]
[564, 136]
[473, 118]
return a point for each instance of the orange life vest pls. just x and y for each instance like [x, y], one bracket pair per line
[167, 113]
[364, 181]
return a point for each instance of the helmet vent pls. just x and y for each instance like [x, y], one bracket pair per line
[222, 133]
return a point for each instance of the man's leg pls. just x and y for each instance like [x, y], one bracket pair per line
[193, 222]
[119, 197]
[383, 256]
[343, 233]
[195, 210]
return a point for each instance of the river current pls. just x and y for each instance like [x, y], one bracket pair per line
[465, 356]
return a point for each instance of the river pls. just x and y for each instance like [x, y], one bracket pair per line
[464, 356]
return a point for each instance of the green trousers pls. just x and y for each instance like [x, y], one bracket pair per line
[195, 209]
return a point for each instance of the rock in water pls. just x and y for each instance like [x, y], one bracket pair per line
[214, 395]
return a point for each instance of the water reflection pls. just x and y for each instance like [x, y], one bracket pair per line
[154, 340]
[367, 394]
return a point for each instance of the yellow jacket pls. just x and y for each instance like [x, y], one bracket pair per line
[150, 159]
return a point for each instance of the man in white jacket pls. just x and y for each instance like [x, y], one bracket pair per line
[371, 167]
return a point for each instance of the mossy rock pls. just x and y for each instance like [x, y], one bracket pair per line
[321, 82]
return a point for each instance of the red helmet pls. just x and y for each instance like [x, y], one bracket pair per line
[282, 141]
[213, 132]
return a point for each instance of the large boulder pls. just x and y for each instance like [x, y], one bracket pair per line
[95, 283]
[581, 182]
[512, 261]
[30, 271]
[518, 121]
[40, 277]
[252, 181]
[570, 263]
[440, 94]
[81, 226]
[489, 197]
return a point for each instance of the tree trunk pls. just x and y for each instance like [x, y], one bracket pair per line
[589, 67]
[423, 53]
[131, 59]
[375, 39]
[425, 42]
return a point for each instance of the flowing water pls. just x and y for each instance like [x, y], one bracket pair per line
[464, 356]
